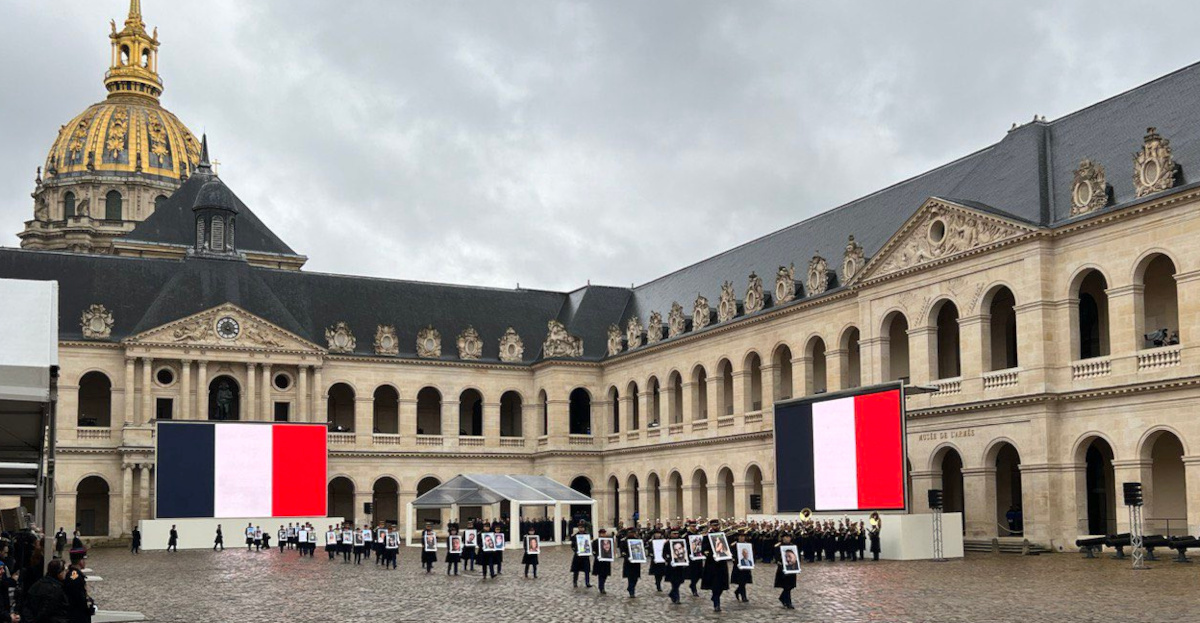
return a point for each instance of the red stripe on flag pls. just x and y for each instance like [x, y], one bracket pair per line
[298, 471]
[879, 448]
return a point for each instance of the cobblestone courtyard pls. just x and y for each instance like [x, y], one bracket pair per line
[236, 586]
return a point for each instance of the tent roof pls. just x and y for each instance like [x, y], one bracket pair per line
[484, 489]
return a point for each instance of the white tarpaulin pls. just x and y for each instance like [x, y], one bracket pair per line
[29, 332]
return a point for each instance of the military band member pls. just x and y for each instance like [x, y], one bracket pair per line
[631, 571]
[741, 577]
[876, 525]
[530, 558]
[75, 587]
[581, 562]
[783, 581]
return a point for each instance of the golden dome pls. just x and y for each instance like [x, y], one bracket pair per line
[124, 136]
[128, 134]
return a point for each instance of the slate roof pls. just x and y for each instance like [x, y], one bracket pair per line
[1026, 176]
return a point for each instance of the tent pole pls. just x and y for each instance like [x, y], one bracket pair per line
[558, 535]
[514, 521]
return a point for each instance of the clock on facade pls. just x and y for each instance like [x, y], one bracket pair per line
[228, 328]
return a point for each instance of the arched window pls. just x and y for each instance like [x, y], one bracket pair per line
[614, 406]
[781, 360]
[112, 206]
[851, 359]
[1093, 315]
[675, 381]
[95, 400]
[635, 421]
[580, 412]
[1159, 321]
[470, 413]
[725, 370]
[124, 55]
[68, 204]
[948, 362]
[1002, 330]
[544, 411]
[753, 389]
[146, 58]
[895, 330]
[699, 394]
[510, 415]
[429, 411]
[387, 410]
[655, 402]
[818, 378]
[159, 201]
[340, 408]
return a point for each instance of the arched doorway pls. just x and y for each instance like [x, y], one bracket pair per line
[431, 515]
[614, 410]
[950, 465]
[614, 495]
[700, 493]
[1009, 511]
[675, 499]
[1099, 498]
[895, 330]
[754, 490]
[91, 506]
[429, 411]
[470, 413]
[581, 511]
[387, 410]
[341, 498]
[1160, 303]
[385, 499]
[634, 408]
[1166, 493]
[817, 381]
[725, 496]
[224, 399]
[753, 383]
[1002, 331]
[339, 411]
[633, 509]
[725, 370]
[510, 414]
[852, 364]
[653, 499]
[675, 404]
[948, 363]
[95, 400]
[699, 394]
[580, 412]
[782, 360]
[1091, 319]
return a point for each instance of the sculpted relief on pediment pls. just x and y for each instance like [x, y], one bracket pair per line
[224, 326]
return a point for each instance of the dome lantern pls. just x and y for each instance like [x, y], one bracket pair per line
[133, 69]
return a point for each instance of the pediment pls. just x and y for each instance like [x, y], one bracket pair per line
[224, 326]
[940, 231]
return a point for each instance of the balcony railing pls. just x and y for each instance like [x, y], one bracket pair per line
[429, 440]
[1161, 357]
[948, 387]
[96, 432]
[701, 425]
[653, 433]
[1091, 368]
[512, 442]
[580, 440]
[723, 422]
[341, 439]
[470, 441]
[675, 429]
[753, 416]
[633, 435]
[1000, 378]
[386, 439]
[614, 438]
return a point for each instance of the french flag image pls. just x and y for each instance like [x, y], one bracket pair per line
[841, 453]
[240, 469]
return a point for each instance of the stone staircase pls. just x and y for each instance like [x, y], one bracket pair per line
[1004, 545]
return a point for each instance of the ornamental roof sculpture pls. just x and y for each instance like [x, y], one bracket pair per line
[386, 342]
[429, 343]
[785, 284]
[1154, 169]
[633, 332]
[654, 328]
[853, 260]
[1089, 190]
[469, 344]
[701, 313]
[512, 349]
[96, 322]
[340, 338]
[676, 322]
[818, 276]
[559, 343]
[615, 345]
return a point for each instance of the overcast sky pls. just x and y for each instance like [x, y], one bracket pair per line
[552, 143]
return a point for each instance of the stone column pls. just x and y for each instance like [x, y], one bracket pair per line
[315, 413]
[768, 389]
[364, 418]
[491, 424]
[922, 355]
[449, 420]
[1187, 286]
[360, 498]
[559, 420]
[627, 403]
[1191, 474]
[1038, 498]
[645, 402]
[129, 391]
[268, 413]
[715, 493]
[872, 359]
[741, 500]
[406, 411]
[251, 399]
[688, 407]
[144, 491]
[802, 376]
[202, 390]
[1124, 316]
[921, 482]
[185, 401]
[301, 414]
[979, 502]
[153, 514]
[740, 379]
[713, 400]
[975, 349]
[126, 499]
[147, 390]
[689, 507]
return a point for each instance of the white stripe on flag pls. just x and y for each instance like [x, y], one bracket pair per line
[835, 460]
[243, 471]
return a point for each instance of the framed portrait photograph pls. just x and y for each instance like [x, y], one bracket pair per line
[501, 540]
[366, 535]
[659, 548]
[470, 538]
[637, 551]
[312, 537]
[347, 536]
[302, 536]
[696, 546]
[331, 538]
[745, 555]
[430, 541]
[488, 542]
[454, 544]
[606, 545]
[258, 534]
[791, 559]
[358, 539]
[678, 550]
[583, 545]
[533, 544]
[720, 546]
[381, 535]
[392, 541]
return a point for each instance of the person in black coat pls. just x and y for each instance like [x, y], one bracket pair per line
[135, 545]
[873, 534]
[601, 568]
[715, 574]
[486, 558]
[452, 558]
[695, 570]
[172, 541]
[631, 571]
[657, 569]
[428, 557]
[530, 558]
[46, 600]
[675, 575]
[581, 562]
[740, 577]
[784, 581]
[75, 587]
[249, 537]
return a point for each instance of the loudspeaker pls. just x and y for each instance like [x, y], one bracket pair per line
[368, 508]
[935, 499]
[1133, 493]
[755, 502]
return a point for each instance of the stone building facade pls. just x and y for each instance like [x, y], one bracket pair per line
[1046, 290]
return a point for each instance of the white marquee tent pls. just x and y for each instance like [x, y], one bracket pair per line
[491, 490]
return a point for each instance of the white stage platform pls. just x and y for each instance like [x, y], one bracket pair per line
[902, 537]
[200, 533]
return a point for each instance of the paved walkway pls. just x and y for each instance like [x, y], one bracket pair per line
[270, 587]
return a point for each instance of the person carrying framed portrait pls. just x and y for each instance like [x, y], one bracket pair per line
[533, 549]
[658, 558]
[787, 562]
[391, 549]
[602, 565]
[581, 562]
[677, 555]
[470, 549]
[453, 550]
[743, 571]
[633, 550]
[347, 542]
[428, 548]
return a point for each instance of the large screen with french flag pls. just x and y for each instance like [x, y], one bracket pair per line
[841, 452]
[240, 469]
